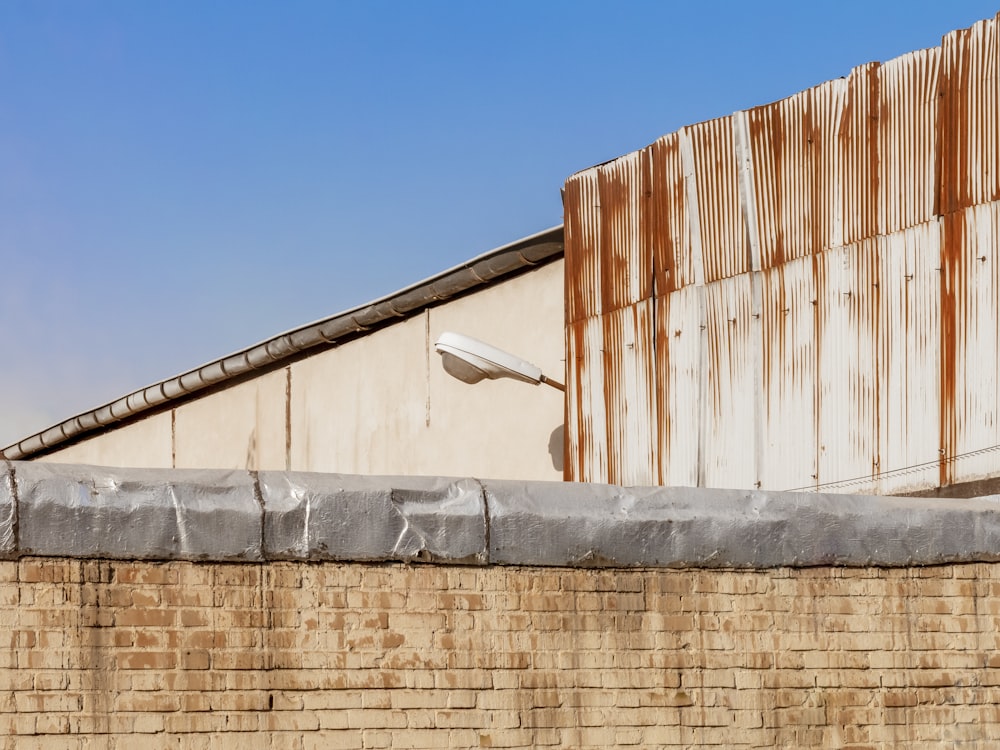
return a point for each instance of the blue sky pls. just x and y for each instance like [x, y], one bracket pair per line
[181, 179]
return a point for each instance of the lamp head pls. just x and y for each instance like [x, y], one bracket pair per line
[471, 361]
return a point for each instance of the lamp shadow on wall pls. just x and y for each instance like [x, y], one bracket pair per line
[556, 447]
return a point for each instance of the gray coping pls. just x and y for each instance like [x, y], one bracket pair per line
[95, 512]
[350, 517]
[90, 511]
[8, 512]
[602, 525]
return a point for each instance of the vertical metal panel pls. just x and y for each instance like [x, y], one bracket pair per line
[908, 88]
[849, 406]
[625, 271]
[790, 343]
[833, 419]
[970, 354]
[729, 416]
[742, 144]
[665, 231]
[877, 358]
[586, 426]
[678, 385]
[581, 237]
[910, 350]
[858, 139]
[628, 349]
[607, 264]
[720, 219]
[969, 120]
[793, 146]
[613, 400]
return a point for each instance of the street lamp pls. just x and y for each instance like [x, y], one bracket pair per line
[471, 360]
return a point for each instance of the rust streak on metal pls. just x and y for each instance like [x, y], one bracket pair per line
[820, 287]
[664, 232]
[952, 286]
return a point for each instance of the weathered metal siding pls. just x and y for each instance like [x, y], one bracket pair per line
[582, 229]
[793, 149]
[858, 155]
[710, 171]
[802, 295]
[788, 372]
[665, 232]
[678, 383]
[908, 111]
[970, 362]
[626, 274]
[586, 409]
[909, 341]
[969, 126]
[878, 349]
[728, 436]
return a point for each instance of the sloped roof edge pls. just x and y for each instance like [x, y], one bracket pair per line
[483, 270]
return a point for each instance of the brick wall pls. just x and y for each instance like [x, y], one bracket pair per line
[299, 655]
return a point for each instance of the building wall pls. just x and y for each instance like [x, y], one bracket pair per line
[146, 443]
[106, 654]
[380, 404]
[800, 295]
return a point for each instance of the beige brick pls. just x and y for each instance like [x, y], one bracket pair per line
[52, 724]
[147, 660]
[375, 719]
[815, 658]
[333, 740]
[147, 724]
[334, 719]
[195, 659]
[148, 702]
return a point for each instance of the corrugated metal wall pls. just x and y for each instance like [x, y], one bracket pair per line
[802, 295]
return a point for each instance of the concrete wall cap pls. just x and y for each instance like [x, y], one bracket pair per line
[65, 510]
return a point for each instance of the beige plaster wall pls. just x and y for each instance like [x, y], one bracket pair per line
[146, 443]
[381, 404]
[240, 427]
[384, 405]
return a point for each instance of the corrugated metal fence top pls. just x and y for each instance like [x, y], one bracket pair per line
[654, 221]
[844, 161]
[789, 270]
[869, 154]
[970, 108]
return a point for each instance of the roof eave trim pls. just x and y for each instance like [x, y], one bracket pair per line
[483, 270]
